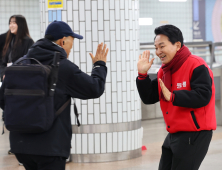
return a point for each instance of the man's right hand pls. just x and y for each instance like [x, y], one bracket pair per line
[144, 64]
[101, 53]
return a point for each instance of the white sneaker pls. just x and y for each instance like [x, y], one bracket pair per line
[20, 164]
[68, 160]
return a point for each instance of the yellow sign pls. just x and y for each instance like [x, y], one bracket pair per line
[55, 4]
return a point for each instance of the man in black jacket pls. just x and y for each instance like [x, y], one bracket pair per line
[50, 149]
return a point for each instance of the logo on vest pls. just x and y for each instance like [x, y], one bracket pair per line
[180, 85]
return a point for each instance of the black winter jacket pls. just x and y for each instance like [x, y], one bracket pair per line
[72, 82]
[21, 50]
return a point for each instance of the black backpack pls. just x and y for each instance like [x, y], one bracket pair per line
[29, 96]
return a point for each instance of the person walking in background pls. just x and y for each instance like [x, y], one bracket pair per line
[18, 40]
[185, 88]
[17, 43]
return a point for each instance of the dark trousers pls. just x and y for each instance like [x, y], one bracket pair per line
[184, 150]
[36, 162]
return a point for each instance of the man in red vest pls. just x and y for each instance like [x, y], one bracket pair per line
[185, 88]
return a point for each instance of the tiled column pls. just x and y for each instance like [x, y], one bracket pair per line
[111, 124]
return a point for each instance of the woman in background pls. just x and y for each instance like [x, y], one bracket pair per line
[18, 40]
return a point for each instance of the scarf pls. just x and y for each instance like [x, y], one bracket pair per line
[171, 67]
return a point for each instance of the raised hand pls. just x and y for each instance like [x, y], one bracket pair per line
[101, 53]
[166, 92]
[144, 64]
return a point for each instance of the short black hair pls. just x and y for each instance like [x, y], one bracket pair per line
[50, 37]
[172, 32]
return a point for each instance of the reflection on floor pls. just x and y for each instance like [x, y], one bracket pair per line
[154, 134]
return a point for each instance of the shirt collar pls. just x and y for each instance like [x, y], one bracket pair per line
[56, 44]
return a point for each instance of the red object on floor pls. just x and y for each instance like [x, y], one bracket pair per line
[144, 148]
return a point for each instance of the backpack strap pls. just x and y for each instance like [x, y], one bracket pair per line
[61, 109]
[76, 113]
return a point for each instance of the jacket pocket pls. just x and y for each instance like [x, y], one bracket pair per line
[194, 120]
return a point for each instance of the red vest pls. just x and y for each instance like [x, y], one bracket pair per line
[180, 118]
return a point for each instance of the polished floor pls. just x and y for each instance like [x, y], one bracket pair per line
[154, 134]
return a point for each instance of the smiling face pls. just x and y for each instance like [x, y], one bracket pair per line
[165, 50]
[13, 26]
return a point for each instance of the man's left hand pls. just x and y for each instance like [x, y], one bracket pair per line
[166, 92]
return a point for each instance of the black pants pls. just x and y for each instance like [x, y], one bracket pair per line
[184, 150]
[36, 162]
